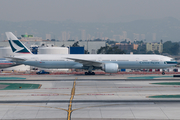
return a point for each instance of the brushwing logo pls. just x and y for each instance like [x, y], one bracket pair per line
[17, 47]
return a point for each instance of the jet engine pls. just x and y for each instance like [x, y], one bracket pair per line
[110, 67]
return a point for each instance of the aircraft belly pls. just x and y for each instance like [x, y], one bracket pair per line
[72, 64]
[54, 64]
[5, 66]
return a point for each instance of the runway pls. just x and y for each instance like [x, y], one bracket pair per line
[86, 99]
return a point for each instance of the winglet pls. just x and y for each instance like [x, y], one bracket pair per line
[16, 45]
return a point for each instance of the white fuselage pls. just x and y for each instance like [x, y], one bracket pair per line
[126, 61]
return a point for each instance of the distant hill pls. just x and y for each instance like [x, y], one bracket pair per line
[165, 29]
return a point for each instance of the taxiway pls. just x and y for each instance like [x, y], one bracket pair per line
[91, 98]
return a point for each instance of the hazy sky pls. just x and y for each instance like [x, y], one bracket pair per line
[88, 10]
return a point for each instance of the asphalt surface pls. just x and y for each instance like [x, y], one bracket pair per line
[60, 98]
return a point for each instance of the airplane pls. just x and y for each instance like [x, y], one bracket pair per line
[109, 63]
[5, 63]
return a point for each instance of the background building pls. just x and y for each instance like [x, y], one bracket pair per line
[128, 47]
[30, 38]
[52, 50]
[154, 46]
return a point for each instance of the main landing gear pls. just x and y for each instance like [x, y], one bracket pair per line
[89, 73]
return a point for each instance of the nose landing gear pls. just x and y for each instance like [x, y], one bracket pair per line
[163, 72]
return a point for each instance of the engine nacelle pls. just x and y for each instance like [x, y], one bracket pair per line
[110, 67]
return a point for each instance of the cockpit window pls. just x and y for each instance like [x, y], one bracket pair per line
[165, 62]
[171, 62]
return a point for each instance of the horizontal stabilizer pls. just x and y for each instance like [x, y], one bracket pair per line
[16, 59]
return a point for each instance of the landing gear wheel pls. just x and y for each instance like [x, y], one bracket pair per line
[89, 73]
[163, 73]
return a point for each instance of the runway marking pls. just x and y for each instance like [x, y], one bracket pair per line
[45, 94]
[130, 87]
[99, 94]
[36, 106]
[70, 110]
[96, 106]
[95, 93]
[40, 86]
[70, 102]
[120, 92]
[55, 88]
[40, 94]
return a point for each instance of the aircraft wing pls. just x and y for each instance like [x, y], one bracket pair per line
[87, 62]
[15, 59]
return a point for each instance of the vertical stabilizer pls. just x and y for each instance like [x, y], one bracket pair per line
[16, 45]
